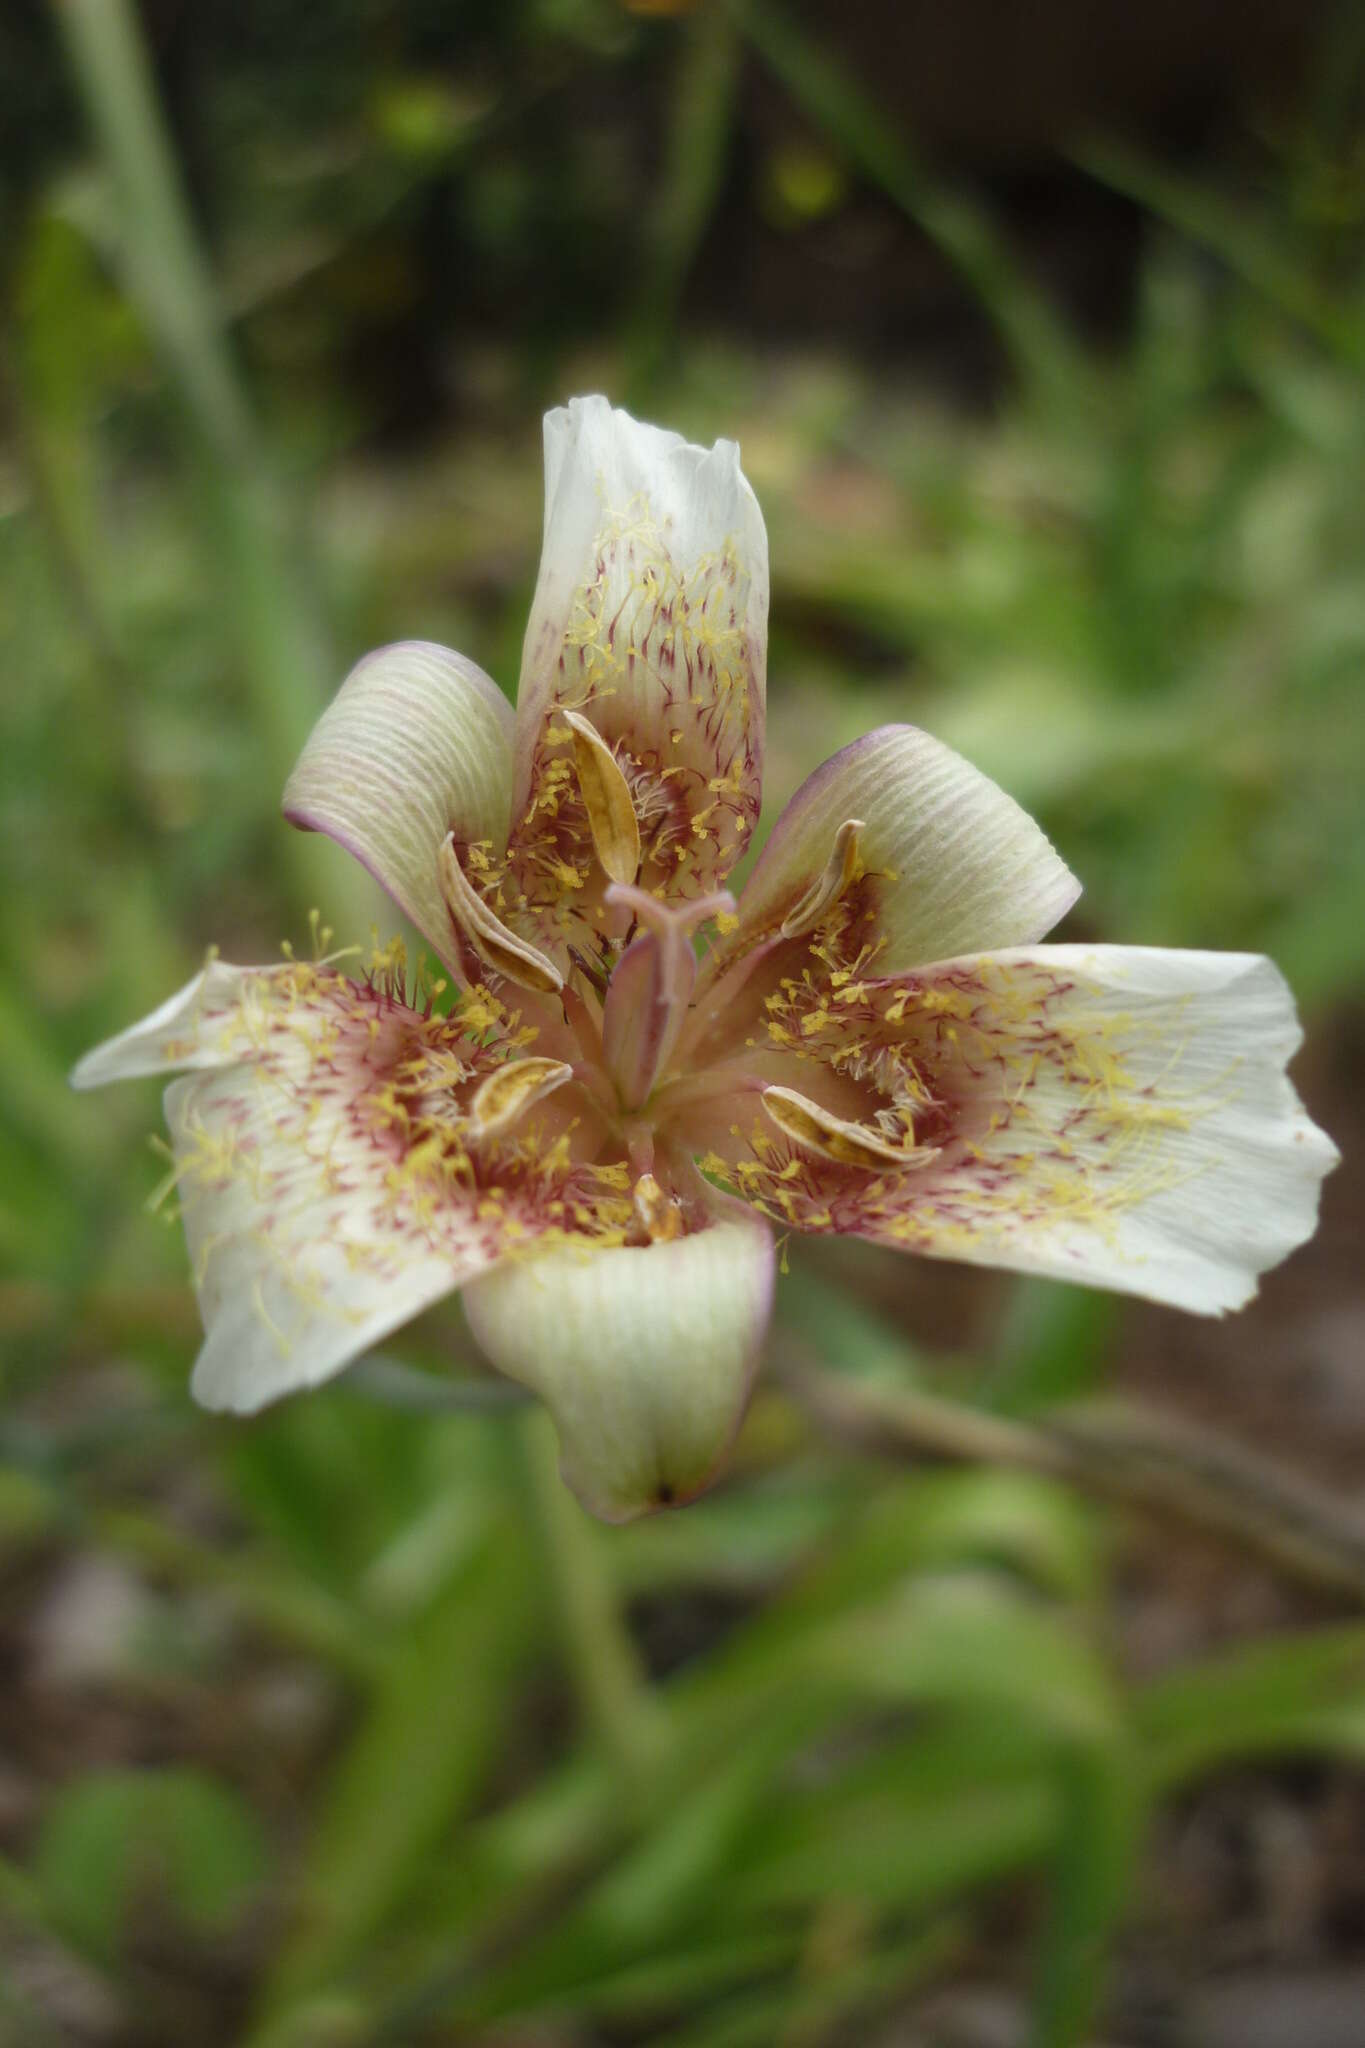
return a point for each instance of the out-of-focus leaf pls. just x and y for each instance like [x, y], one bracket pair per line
[1234, 235]
[856, 1981]
[1100, 1812]
[1293, 1694]
[415, 1763]
[704, 83]
[114, 1843]
[957, 1800]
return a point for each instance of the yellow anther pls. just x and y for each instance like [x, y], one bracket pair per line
[607, 801]
[658, 1215]
[488, 935]
[840, 869]
[510, 1090]
[834, 1137]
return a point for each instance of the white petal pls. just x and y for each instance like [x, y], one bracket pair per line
[323, 1166]
[214, 1021]
[417, 743]
[644, 1356]
[301, 1259]
[1122, 1118]
[650, 617]
[952, 861]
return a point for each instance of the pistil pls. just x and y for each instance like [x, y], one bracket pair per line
[648, 994]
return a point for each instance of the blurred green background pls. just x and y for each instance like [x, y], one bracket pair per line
[1043, 333]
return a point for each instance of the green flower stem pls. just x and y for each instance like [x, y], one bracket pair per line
[700, 127]
[71, 547]
[169, 278]
[281, 643]
[613, 1694]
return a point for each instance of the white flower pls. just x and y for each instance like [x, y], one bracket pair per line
[595, 1140]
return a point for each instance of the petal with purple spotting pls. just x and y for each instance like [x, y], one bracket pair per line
[221, 1017]
[650, 623]
[343, 1159]
[1117, 1116]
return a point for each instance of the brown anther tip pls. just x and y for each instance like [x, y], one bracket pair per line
[837, 1139]
[499, 948]
[658, 1214]
[509, 1091]
[829, 885]
[607, 800]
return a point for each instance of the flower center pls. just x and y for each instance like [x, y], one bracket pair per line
[627, 1044]
[629, 1011]
[627, 1023]
[651, 987]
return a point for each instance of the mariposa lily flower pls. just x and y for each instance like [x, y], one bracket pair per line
[594, 1133]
